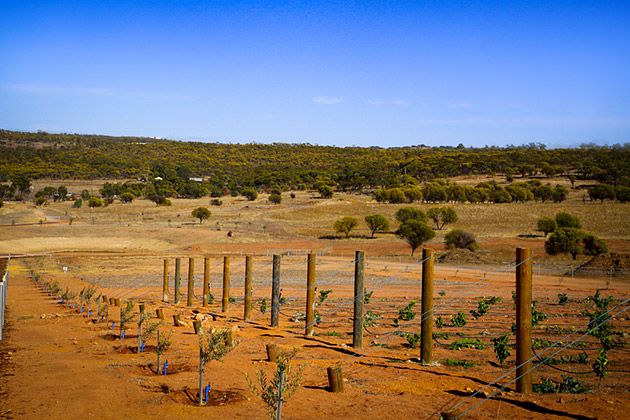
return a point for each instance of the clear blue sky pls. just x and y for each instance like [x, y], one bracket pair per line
[340, 73]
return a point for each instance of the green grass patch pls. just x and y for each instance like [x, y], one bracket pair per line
[462, 363]
[467, 343]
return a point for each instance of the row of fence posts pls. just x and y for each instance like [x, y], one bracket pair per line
[4, 285]
[523, 317]
[225, 299]
[523, 306]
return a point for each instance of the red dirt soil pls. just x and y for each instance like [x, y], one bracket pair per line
[56, 363]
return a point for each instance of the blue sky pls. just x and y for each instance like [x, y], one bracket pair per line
[340, 73]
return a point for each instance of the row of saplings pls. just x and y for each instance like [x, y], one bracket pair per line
[599, 326]
[213, 344]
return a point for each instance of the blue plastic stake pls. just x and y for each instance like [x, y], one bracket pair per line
[165, 365]
[113, 322]
[207, 391]
[142, 348]
[90, 314]
[123, 335]
[82, 310]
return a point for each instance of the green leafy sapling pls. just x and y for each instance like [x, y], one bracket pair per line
[406, 313]
[369, 319]
[126, 316]
[88, 293]
[562, 299]
[263, 305]
[323, 295]
[501, 349]
[600, 366]
[459, 320]
[212, 346]
[163, 343]
[367, 296]
[277, 390]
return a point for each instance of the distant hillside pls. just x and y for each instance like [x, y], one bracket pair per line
[64, 156]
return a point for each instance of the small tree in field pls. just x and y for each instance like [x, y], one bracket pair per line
[325, 191]
[280, 388]
[415, 233]
[95, 202]
[574, 241]
[442, 216]
[601, 192]
[346, 224]
[565, 240]
[594, 245]
[250, 194]
[546, 225]
[566, 220]
[275, 198]
[214, 346]
[127, 197]
[201, 213]
[410, 213]
[377, 222]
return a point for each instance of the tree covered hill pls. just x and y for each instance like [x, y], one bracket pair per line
[65, 156]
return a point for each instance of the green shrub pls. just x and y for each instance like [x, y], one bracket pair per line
[407, 313]
[459, 320]
[562, 299]
[413, 339]
[323, 295]
[458, 238]
[250, 194]
[275, 198]
[501, 349]
[467, 343]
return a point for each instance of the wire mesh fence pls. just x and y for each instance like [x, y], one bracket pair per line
[473, 306]
[4, 286]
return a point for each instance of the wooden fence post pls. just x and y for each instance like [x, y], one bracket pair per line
[335, 378]
[359, 291]
[272, 353]
[524, 320]
[310, 295]
[275, 291]
[165, 282]
[140, 319]
[106, 300]
[206, 281]
[426, 326]
[191, 281]
[178, 266]
[248, 288]
[225, 301]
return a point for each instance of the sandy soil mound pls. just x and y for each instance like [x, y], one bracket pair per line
[613, 260]
[458, 254]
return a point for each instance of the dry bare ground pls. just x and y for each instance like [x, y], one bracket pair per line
[55, 362]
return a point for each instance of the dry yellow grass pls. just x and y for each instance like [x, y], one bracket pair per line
[142, 226]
